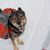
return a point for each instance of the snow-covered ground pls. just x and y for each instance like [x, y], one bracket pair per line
[38, 24]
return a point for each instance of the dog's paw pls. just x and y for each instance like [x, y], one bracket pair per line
[21, 43]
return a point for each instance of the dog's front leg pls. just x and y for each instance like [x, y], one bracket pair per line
[19, 41]
[14, 44]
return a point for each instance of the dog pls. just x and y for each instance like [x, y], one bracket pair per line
[15, 25]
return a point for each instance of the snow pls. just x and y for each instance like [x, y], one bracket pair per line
[38, 24]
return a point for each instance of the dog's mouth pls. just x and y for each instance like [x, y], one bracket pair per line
[20, 28]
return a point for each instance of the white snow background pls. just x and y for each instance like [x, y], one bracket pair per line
[38, 23]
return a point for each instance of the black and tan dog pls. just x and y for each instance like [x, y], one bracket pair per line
[16, 26]
[16, 23]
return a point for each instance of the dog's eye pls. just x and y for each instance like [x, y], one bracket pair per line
[22, 18]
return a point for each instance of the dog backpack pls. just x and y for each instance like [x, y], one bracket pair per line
[4, 15]
[3, 26]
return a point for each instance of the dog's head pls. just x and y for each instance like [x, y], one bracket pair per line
[17, 21]
[21, 19]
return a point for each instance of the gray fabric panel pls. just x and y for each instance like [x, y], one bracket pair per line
[3, 18]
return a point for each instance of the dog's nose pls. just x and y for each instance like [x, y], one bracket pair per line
[19, 23]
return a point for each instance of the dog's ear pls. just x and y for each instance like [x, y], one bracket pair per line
[19, 9]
